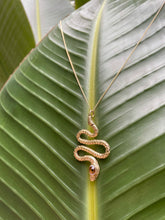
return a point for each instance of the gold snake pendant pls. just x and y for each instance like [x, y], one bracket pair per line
[94, 168]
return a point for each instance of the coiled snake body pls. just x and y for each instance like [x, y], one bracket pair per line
[94, 168]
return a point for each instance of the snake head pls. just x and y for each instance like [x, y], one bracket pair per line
[93, 172]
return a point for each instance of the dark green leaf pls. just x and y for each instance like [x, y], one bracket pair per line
[42, 109]
[16, 38]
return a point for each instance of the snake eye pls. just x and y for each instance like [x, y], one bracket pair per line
[92, 169]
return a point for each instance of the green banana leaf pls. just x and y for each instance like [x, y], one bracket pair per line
[79, 3]
[44, 15]
[16, 38]
[16, 32]
[42, 109]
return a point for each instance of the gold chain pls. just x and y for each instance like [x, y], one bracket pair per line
[117, 74]
[75, 74]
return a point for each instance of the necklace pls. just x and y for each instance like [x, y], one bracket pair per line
[94, 168]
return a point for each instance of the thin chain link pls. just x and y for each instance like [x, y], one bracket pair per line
[117, 74]
[67, 52]
[133, 50]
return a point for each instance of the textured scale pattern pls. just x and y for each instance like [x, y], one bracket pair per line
[94, 164]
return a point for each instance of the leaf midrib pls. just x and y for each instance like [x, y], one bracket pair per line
[92, 186]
